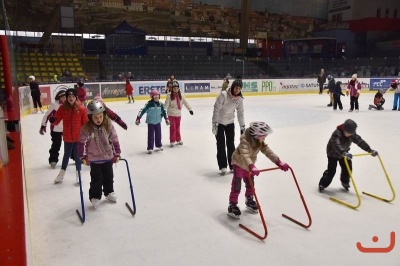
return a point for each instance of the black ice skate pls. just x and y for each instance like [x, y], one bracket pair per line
[346, 186]
[234, 211]
[251, 205]
[321, 188]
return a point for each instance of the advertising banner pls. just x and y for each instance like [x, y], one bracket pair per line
[250, 86]
[112, 90]
[376, 84]
[144, 88]
[92, 90]
[268, 85]
[197, 87]
[45, 95]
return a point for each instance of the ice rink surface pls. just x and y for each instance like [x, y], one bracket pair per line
[182, 200]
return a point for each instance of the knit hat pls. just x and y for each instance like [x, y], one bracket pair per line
[237, 82]
[59, 94]
[354, 76]
[349, 126]
[70, 92]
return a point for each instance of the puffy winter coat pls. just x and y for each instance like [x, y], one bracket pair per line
[224, 109]
[172, 105]
[354, 87]
[247, 150]
[50, 113]
[73, 119]
[339, 144]
[155, 111]
[128, 89]
[97, 143]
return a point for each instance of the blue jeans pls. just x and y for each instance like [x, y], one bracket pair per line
[395, 100]
[69, 148]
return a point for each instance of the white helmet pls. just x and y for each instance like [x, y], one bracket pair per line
[258, 129]
[31, 77]
[95, 107]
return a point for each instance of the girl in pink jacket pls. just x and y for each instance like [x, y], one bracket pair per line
[354, 89]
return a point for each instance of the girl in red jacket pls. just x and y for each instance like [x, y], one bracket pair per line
[129, 91]
[74, 116]
[81, 92]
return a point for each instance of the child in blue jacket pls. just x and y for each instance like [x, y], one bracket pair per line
[155, 111]
[337, 92]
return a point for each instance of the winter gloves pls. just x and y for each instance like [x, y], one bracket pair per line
[137, 122]
[191, 112]
[242, 129]
[42, 130]
[349, 156]
[116, 158]
[85, 161]
[374, 153]
[283, 166]
[253, 169]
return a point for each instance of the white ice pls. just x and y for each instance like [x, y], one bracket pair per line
[182, 200]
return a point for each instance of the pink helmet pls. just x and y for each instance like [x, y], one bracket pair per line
[258, 129]
[154, 93]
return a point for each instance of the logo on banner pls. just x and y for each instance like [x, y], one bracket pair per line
[268, 85]
[250, 86]
[379, 83]
[146, 89]
[289, 86]
[197, 87]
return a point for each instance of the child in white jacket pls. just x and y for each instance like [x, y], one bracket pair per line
[173, 105]
[55, 130]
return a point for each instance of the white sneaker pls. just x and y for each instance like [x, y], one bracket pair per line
[160, 148]
[172, 144]
[60, 176]
[53, 165]
[112, 197]
[223, 171]
[149, 151]
[95, 202]
[180, 142]
[34, 111]
[77, 178]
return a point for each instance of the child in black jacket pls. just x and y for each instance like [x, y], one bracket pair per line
[337, 92]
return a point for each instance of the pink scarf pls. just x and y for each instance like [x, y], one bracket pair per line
[178, 100]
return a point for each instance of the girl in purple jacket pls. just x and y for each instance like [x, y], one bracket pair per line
[98, 147]
[354, 89]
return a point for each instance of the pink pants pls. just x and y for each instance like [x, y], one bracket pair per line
[174, 128]
[239, 174]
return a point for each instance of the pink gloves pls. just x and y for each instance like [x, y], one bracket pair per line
[254, 170]
[283, 166]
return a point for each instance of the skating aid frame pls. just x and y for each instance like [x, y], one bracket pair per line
[284, 215]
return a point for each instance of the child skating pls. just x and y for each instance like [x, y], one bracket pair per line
[155, 112]
[173, 105]
[337, 149]
[99, 147]
[55, 131]
[243, 159]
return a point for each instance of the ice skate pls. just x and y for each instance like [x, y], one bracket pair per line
[234, 211]
[346, 186]
[77, 178]
[172, 144]
[95, 202]
[180, 143]
[41, 110]
[160, 148]
[321, 188]
[53, 165]
[34, 111]
[149, 151]
[251, 205]
[112, 197]
[60, 176]
[222, 171]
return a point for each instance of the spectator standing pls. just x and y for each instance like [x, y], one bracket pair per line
[321, 80]
[35, 93]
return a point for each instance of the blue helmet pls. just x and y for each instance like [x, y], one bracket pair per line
[330, 77]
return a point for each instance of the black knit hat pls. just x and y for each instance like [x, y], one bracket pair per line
[237, 82]
[70, 92]
[349, 126]
[60, 94]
